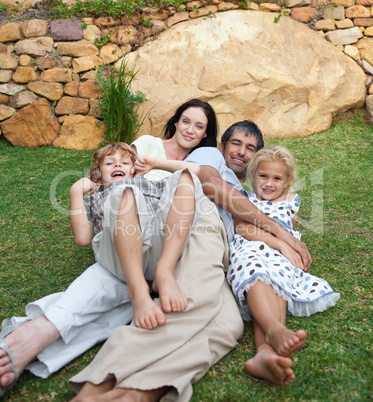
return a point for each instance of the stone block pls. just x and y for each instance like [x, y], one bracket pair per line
[336, 13]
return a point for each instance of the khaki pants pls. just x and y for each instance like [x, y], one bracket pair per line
[179, 353]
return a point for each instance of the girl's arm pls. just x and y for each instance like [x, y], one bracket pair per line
[82, 228]
[295, 220]
[144, 164]
[251, 232]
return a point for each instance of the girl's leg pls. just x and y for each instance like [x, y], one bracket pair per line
[128, 244]
[178, 224]
[267, 363]
[269, 312]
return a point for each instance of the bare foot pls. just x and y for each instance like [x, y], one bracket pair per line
[115, 395]
[170, 295]
[285, 342]
[270, 366]
[105, 392]
[146, 314]
[24, 344]
[91, 391]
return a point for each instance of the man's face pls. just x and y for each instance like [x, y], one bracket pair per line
[238, 152]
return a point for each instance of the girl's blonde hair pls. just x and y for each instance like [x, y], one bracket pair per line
[274, 154]
[102, 153]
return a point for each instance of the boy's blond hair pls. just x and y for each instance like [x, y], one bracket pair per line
[102, 153]
[274, 154]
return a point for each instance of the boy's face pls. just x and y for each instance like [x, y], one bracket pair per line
[116, 167]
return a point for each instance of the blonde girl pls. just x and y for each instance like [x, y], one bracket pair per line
[267, 277]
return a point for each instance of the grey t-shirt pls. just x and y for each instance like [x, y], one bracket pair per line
[210, 156]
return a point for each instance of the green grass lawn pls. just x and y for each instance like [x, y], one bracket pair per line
[38, 257]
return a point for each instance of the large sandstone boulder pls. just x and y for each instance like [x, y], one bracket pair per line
[80, 132]
[283, 76]
[32, 126]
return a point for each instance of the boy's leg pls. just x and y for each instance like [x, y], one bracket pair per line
[269, 312]
[128, 245]
[177, 228]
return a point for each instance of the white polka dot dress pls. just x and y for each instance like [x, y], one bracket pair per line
[251, 261]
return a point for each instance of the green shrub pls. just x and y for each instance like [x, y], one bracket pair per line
[118, 105]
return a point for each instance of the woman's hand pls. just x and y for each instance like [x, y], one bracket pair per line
[144, 165]
[292, 255]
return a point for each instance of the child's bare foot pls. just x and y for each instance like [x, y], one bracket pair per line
[285, 342]
[270, 366]
[146, 314]
[170, 295]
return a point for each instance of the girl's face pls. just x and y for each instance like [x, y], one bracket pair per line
[191, 127]
[116, 167]
[270, 180]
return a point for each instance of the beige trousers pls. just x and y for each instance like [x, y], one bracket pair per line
[179, 353]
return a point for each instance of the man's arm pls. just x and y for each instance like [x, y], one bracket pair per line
[230, 199]
[82, 228]
[251, 232]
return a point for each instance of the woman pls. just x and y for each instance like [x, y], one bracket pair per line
[136, 364]
[192, 126]
[61, 326]
[139, 364]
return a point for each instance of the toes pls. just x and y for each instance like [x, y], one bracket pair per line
[7, 379]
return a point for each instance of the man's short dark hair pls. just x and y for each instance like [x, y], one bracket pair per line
[249, 128]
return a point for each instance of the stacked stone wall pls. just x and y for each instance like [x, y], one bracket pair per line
[48, 94]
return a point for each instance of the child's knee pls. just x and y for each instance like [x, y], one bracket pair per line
[186, 180]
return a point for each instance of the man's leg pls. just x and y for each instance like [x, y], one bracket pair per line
[269, 312]
[177, 228]
[24, 344]
[62, 326]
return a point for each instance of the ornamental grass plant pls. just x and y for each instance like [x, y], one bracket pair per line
[119, 106]
[38, 257]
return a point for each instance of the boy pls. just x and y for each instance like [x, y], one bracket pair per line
[124, 222]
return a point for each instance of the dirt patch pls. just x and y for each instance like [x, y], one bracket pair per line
[343, 116]
[39, 11]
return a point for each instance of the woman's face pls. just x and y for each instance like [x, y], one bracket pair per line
[191, 127]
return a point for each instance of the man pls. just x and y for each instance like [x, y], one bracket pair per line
[238, 145]
[48, 352]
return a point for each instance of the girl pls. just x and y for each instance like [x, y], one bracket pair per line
[267, 276]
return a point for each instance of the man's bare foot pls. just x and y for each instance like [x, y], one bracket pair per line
[24, 344]
[284, 341]
[270, 366]
[170, 295]
[146, 314]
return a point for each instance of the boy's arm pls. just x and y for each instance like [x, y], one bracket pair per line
[82, 228]
[251, 232]
[144, 164]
